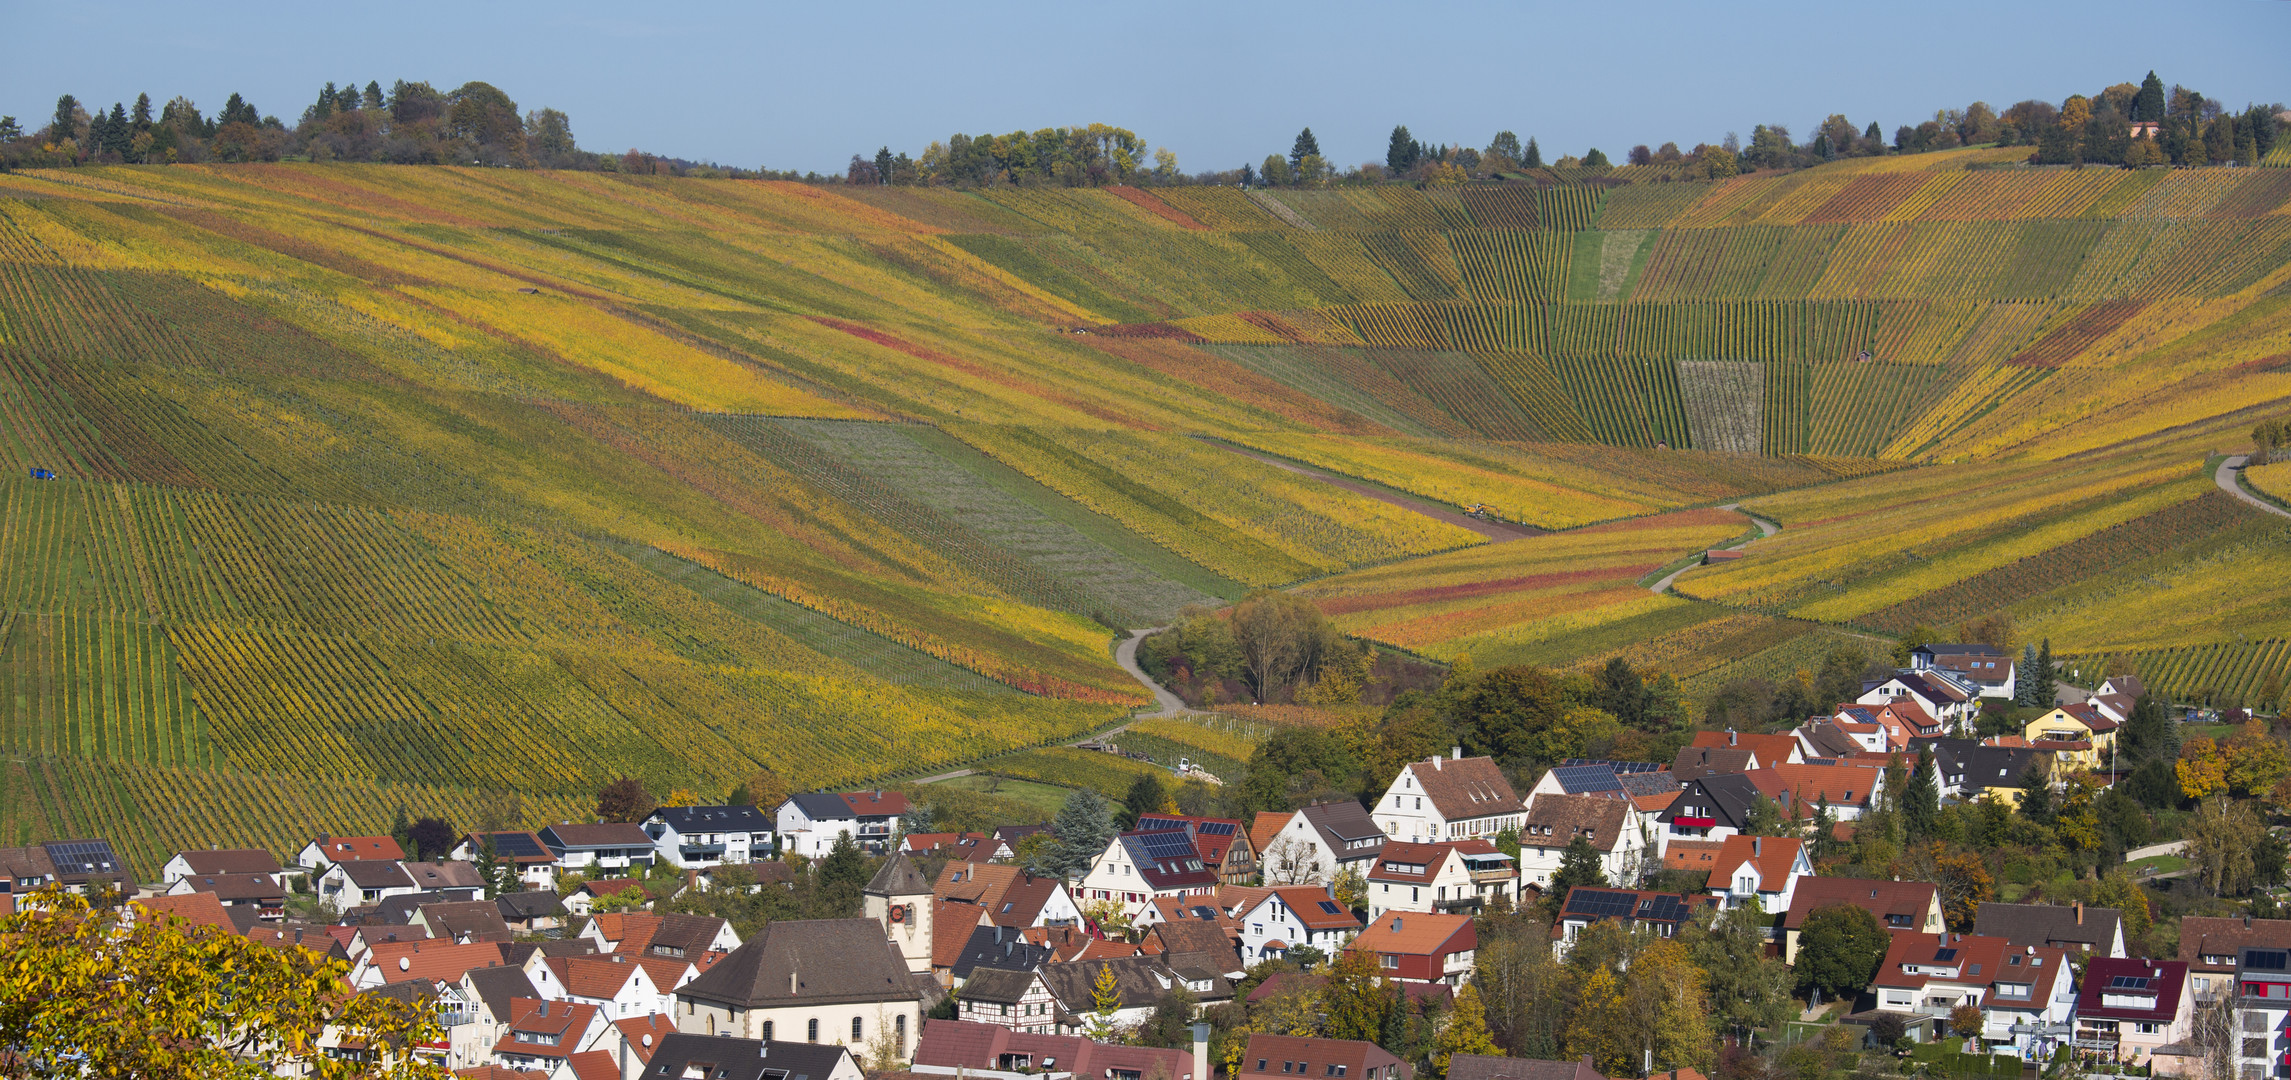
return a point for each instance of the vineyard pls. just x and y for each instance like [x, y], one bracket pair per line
[2230, 674]
[450, 488]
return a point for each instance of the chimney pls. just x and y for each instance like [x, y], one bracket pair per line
[1435, 763]
[2079, 913]
[1755, 851]
[1201, 1052]
[791, 982]
[1456, 752]
[1729, 736]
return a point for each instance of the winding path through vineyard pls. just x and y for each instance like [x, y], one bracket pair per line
[1765, 529]
[1125, 654]
[2231, 481]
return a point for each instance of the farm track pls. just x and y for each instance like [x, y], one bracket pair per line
[2230, 480]
[1125, 654]
[1496, 532]
[1765, 529]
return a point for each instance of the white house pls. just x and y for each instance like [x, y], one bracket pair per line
[347, 885]
[215, 863]
[1764, 867]
[822, 981]
[1626, 839]
[591, 849]
[1315, 844]
[536, 865]
[1928, 975]
[1467, 876]
[1452, 799]
[621, 986]
[1988, 669]
[1288, 917]
[1933, 690]
[699, 836]
[809, 824]
[325, 851]
[1138, 868]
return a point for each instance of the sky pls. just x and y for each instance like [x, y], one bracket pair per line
[806, 86]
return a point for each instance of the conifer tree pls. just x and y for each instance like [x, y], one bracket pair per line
[1505, 144]
[373, 94]
[2148, 104]
[1534, 158]
[324, 106]
[883, 165]
[1401, 153]
[1595, 159]
[142, 115]
[1083, 826]
[2024, 687]
[2047, 688]
[1305, 146]
[118, 137]
[1922, 804]
[66, 125]
[1578, 865]
[1873, 137]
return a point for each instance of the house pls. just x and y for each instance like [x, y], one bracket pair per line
[822, 980]
[1770, 749]
[1831, 738]
[1803, 790]
[1485, 1067]
[216, 863]
[1452, 799]
[1624, 838]
[2087, 931]
[1223, 844]
[351, 884]
[1660, 912]
[265, 893]
[1017, 999]
[464, 921]
[1697, 857]
[196, 909]
[542, 1034]
[1934, 690]
[2263, 997]
[959, 1048]
[1205, 938]
[2084, 735]
[960, 847]
[995, 948]
[1710, 807]
[899, 900]
[2115, 707]
[1292, 916]
[1899, 906]
[1137, 868]
[752, 1059]
[2137, 1004]
[2127, 686]
[1140, 982]
[594, 848]
[688, 836]
[1928, 975]
[1969, 770]
[583, 899]
[531, 911]
[675, 936]
[619, 986]
[1271, 1056]
[81, 867]
[1319, 842]
[2212, 948]
[1903, 721]
[536, 864]
[1767, 868]
[1008, 895]
[491, 993]
[809, 824]
[397, 961]
[1586, 776]
[1420, 947]
[1465, 876]
[325, 851]
[1986, 667]
[458, 880]
[1695, 762]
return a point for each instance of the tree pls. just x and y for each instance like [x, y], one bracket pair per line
[2024, 688]
[1534, 156]
[1306, 146]
[1594, 159]
[66, 124]
[1921, 804]
[1765, 818]
[2118, 890]
[1146, 796]
[1170, 1025]
[499, 876]
[2222, 840]
[93, 991]
[763, 789]
[2036, 793]
[1402, 152]
[2047, 688]
[10, 130]
[432, 838]
[1084, 826]
[2202, 769]
[1349, 888]
[1105, 1001]
[1839, 949]
[1578, 865]
[2148, 104]
[1602, 1026]
[1506, 146]
[2148, 732]
[624, 800]
[1966, 1021]
[1359, 999]
[840, 876]
[1466, 1032]
[1748, 989]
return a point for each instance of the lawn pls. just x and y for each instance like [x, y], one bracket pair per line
[1047, 797]
[2160, 864]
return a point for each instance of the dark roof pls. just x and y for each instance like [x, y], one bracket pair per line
[1984, 766]
[376, 874]
[1195, 936]
[2144, 989]
[1315, 1057]
[1912, 900]
[238, 886]
[957, 1044]
[1829, 741]
[1343, 824]
[1962, 649]
[702, 819]
[1166, 859]
[2202, 936]
[471, 920]
[1725, 796]
[521, 846]
[821, 805]
[999, 947]
[230, 861]
[898, 877]
[80, 862]
[724, 1058]
[2048, 925]
[401, 908]
[497, 985]
[1696, 762]
[998, 985]
[611, 835]
[1138, 980]
[1484, 1067]
[808, 962]
[1590, 904]
[530, 904]
[444, 875]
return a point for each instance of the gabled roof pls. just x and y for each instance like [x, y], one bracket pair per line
[1318, 1057]
[1166, 860]
[1831, 739]
[808, 962]
[1411, 864]
[1911, 900]
[1212, 837]
[644, 1034]
[1462, 788]
[593, 1065]
[529, 904]
[1313, 907]
[1343, 824]
[498, 986]
[1001, 986]
[898, 877]
[568, 837]
[1193, 936]
[2132, 988]
[230, 861]
[566, 1020]
[687, 820]
[1416, 933]
[198, 909]
[443, 874]
[2202, 936]
[1592, 903]
[1809, 786]
[746, 1059]
[1773, 855]
[600, 976]
[875, 803]
[1138, 980]
[1022, 902]
[1694, 856]
[2049, 924]
[1727, 797]
[1933, 687]
[376, 875]
[520, 846]
[1771, 749]
[952, 922]
[949, 1045]
[477, 920]
[237, 886]
[1695, 762]
[1267, 827]
[1557, 819]
[438, 961]
[1964, 648]
[355, 848]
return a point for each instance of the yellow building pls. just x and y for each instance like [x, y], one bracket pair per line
[2080, 736]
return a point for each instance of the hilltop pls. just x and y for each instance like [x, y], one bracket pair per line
[470, 489]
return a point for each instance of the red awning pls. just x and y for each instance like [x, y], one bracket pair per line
[1695, 822]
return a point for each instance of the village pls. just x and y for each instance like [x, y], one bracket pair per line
[581, 950]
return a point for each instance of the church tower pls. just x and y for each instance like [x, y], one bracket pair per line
[900, 900]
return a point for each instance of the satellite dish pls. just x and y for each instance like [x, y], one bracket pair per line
[404, 963]
[648, 1040]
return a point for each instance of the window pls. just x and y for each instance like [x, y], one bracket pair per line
[1261, 1064]
[2146, 1028]
[1285, 1065]
[767, 1031]
[855, 1029]
[811, 1033]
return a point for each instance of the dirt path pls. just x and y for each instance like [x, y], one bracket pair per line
[2230, 481]
[1125, 654]
[1496, 532]
[1765, 529]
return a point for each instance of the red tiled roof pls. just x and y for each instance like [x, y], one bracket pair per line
[874, 803]
[644, 1033]
[593, 1065]
[435, 960]
[1771, 749]
[565, 1019]
[1913, 899]
[598, 976]
[1416, 933]
[198, 909]
[1304, 901]
[357, 848]
[1774, 856]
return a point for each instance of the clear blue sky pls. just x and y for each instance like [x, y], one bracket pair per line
[1220, 83]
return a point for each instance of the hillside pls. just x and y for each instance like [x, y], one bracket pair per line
[467, 490]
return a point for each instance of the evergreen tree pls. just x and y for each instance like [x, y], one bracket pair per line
[2024, 688]
[118, 137]
[1146, 796]
[1506, 145]
[98, 127]
[402, 831]
[1305, 146]
[1921, 807]
[1248, 175]
[1578, 865]
[1534, 158]
[1084, 826]
[10, 130]
[2047, 688]
[840, 877]
[1873, 137]
[2148, 733]
[883, 165]
[142, 114]
[2148, 104]
[1748, 989]
[346, 99]
[66, 125]
[489, 868]
[373, 94]
[324, 106]
[1595, 159]
[1825, 831]
[1401, 153]
[2036, 796]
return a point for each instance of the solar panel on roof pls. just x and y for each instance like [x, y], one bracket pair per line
[1330, 908]
[2128, 982]
[1944, 955]
[1159, 825]
[2269, 959]
[1578, 779]
[83, 857]
[1166, 845]
[515, 845]
[1600, 903]
[1214, 828]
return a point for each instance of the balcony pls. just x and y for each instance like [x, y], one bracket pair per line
[700, 851]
